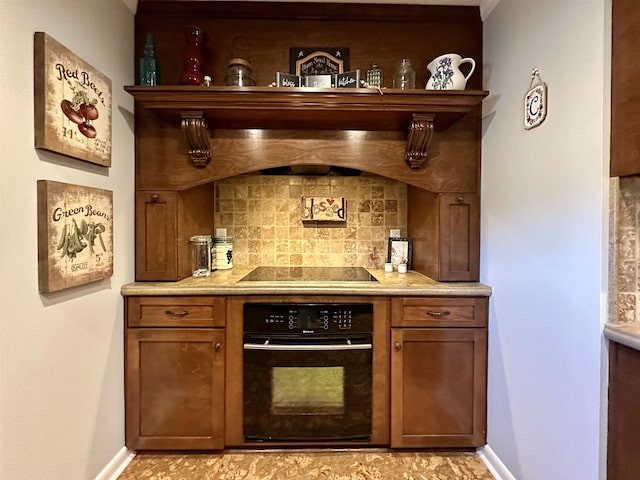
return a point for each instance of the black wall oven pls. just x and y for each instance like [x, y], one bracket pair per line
[307, 372]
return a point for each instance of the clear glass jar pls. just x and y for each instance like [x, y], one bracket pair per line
[200, 255]
[239, 73]
[405, 75]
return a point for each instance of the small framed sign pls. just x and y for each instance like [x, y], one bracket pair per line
[288, 80]
[535, 102]
[399, 252]
[349, 79]
[318, 61]
[324, 209]
[318, 81]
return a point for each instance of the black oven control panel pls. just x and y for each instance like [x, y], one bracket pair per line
[315, 318]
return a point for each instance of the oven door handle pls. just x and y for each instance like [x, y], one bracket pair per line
[307, 347]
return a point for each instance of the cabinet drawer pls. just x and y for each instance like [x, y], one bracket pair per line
[175, 311]
[439, 312]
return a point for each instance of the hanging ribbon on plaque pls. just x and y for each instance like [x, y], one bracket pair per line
[535, 102]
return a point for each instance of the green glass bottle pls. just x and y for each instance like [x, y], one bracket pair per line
[149, 68]
[374, 76]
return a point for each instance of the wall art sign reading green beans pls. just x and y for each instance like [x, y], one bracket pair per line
[72, 104]
[75, 235]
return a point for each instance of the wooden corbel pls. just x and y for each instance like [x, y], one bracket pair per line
[195, 131]
[420, 134]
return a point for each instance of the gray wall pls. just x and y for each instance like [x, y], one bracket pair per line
[544, 207]
[61, 355]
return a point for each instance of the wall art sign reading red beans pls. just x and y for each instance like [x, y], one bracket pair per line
[72, 104]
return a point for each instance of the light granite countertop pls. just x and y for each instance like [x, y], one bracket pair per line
[227, 282]
[627, 333]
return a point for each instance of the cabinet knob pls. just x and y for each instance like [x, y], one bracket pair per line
[398, 346]
[155, 198]
[217, 346]
[460, 199]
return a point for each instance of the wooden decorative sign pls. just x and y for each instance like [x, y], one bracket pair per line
[288, 80]
[349, 79]
[75, 235]
[72, 104]
[324, 209]
[318, 61]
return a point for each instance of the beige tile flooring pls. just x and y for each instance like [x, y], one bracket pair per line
[299, 465]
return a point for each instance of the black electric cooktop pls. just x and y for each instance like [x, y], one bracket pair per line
[309, 274]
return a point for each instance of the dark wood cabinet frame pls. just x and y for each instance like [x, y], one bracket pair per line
[188, 137]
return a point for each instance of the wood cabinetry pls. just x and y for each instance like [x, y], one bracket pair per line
[623, 461]
[174, 373]
[438, 372]
[164, 222]
[625, 98]
[191, 136]
[184, 371]
[446, 234]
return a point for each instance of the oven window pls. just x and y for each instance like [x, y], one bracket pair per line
[307, 390]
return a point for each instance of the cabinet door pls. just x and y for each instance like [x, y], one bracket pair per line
[164, 222]
[623, 461]
[445, 229]
[438, 387]
[174, 389]
[625, 102]
[459, 237]
[156, 234]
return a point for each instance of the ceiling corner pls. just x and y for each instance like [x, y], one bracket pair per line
[131, 5]
[486, 7]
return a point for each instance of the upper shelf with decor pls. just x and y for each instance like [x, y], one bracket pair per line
[198, 108]
[301, 108]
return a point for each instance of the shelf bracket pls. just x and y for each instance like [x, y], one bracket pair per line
[195, 131]
[420, 134]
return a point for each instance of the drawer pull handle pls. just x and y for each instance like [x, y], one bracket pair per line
[217, 347]
[438, 314]
[398, 346]
[181, 313]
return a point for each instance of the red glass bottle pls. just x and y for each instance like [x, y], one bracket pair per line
[193, 65]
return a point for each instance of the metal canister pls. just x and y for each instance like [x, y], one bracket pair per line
[200, 255]
[223, 247]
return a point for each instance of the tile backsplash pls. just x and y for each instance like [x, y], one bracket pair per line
[263, 215]
[624, 249]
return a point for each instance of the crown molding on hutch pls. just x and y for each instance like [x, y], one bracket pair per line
[486, 6]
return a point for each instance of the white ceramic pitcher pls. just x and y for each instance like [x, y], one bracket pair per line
[446, 74]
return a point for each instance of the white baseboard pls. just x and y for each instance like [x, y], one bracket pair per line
[117, 464]
[494, 464]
